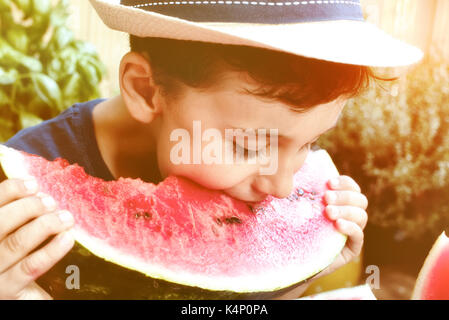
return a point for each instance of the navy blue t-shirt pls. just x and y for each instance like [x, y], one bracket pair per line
[70, 135]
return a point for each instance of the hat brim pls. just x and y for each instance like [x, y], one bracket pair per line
[342, 41]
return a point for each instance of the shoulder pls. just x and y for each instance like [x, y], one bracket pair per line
[61, 136]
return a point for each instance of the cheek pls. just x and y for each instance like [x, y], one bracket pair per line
[211, 176]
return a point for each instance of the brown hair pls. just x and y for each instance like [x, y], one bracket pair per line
[297, 81]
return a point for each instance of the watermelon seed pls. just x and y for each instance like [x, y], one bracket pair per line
[233, 220]
[218, 221]
[214, 230]
[144, 214]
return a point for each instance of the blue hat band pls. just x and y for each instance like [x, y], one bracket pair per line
[264, 12]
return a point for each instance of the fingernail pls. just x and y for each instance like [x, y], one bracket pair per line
[334, 183]
[31, 186]
[330, 197]
[48, 202]
[65, 240]
[332, 212]
[66, 218]
[341, 223]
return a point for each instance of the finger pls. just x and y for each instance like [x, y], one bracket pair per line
[344, 183]
[13, 189]
[22, 274]
[355, 235]
[346, 198]
[33, 292]
[20, 243]
[18, 212]
[350, 213]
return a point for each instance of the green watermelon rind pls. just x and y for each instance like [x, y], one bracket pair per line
[14, 167]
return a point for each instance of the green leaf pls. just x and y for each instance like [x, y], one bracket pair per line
[40, 7]
[68, 56]
[32, 64]
[89, 72]
[39, 27]
[4, 98]
[62, 37]
[55, 69]
[6, 129]
[24, 5]
[5, 5]
[8, 77]
[12, 58]
[84, 48]
[99, 66]
[27, 119]
[41, 109]
[72, 87]
[47, 89]
[59, 13]
[18, 38]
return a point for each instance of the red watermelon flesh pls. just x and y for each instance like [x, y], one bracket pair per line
[183, 233]
[433, 279]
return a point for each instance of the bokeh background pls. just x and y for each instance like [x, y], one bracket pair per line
[393, 139]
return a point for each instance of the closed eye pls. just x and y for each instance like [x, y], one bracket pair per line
[246, 152]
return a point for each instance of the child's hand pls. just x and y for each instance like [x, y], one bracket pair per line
[346, 206]
[26, 221]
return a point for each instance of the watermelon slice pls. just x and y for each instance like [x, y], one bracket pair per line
[433, 279]
[362, 292]
[180, 240]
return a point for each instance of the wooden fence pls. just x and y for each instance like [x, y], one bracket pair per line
[420, 22]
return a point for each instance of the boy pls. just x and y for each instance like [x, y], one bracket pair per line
[244, 70]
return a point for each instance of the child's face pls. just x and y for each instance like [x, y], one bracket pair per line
[226, 106]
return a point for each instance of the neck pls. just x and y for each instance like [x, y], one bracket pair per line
[127, 146]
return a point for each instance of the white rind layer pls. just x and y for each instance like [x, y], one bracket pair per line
[269, 281]
[13, 163]
[14, 166]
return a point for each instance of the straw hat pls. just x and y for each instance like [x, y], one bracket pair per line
[328, 30]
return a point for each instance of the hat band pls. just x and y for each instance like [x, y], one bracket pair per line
[263, 12]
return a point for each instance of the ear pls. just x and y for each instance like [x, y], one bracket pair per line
[137, 87]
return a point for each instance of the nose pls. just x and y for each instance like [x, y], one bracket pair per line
[280, 184]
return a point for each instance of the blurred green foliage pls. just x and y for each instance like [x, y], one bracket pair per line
[394, 141]
[43, 69]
